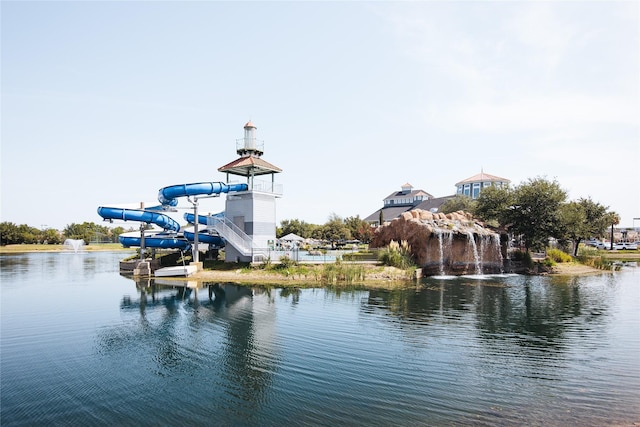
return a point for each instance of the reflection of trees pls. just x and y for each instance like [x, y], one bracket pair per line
[294, 293]
[209, 331]
[539, 311]
[421, 304]
[531, 312]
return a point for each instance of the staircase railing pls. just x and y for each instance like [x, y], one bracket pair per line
[232, 234]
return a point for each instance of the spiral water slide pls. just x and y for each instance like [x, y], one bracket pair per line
[211, 239]
[159, 240]
[167, 196]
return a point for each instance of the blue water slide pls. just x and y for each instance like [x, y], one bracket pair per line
[210, 239]
[158, 219]
[155, 242]
[202, 219]
[168, 195]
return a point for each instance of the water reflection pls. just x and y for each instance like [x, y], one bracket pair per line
[464, 351]
[529, 311]
[210, 330]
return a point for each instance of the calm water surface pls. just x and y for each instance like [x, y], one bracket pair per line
[82, 345]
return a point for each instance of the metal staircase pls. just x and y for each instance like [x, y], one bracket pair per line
[232, 234]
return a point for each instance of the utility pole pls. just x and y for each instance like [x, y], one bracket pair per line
[194, 251]
[142, 228]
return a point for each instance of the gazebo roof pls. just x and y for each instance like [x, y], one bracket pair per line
[483, 177]
[245, 165]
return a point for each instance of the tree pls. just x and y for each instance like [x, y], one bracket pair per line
[458, 203]
[493, 203]
[115, 233]
[296, 226]
[51, 236]
[360, 229]
[334, 230]
[583, 219]
[573, 224]
[535, 212]
[9, 233]
[85, 231]
[613, 219]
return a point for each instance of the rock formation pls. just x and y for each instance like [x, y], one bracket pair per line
[454, 243]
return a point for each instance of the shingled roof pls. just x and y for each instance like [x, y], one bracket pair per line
[243, 165]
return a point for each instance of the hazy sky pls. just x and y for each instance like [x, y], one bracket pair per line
[107, 102]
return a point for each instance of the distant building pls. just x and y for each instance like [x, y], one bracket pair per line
[408, 199]
[471, 187]
[405, 200]
[407, 196]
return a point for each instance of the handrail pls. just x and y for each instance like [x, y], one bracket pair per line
[232, 234]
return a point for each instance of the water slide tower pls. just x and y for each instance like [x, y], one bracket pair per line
[249, 224]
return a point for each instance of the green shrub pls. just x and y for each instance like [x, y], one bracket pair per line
[286, 262]
[558, 256]
[397, 255]
[522, 256]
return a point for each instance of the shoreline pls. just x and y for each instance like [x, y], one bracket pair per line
[376, 276]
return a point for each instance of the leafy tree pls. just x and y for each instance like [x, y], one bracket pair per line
[9, 233]
[613, 219]
[334, 230]
[573, 224]
[51, 236]
[458, 203]
[115, 233]
[28, 234]
[360, 229]
[85, 231]
[583, 219]
[492, 204]
[296, 226]
[535, 212]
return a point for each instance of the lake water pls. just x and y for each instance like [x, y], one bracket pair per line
[82, 345]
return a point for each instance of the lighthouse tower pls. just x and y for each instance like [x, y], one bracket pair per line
[249, 223]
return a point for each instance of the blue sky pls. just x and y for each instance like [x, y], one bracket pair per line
[107, 102]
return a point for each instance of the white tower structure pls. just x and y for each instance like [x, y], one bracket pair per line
[249, 226]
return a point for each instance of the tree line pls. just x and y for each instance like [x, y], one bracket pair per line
[536, 211]
[11, 234]
[334, 230]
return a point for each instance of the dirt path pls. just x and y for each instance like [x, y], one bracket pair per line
[574, 269]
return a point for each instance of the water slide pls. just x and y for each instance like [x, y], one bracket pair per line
[212, 239]
[156, 240]
[202, 219]
[167, 196]
[159, 219]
